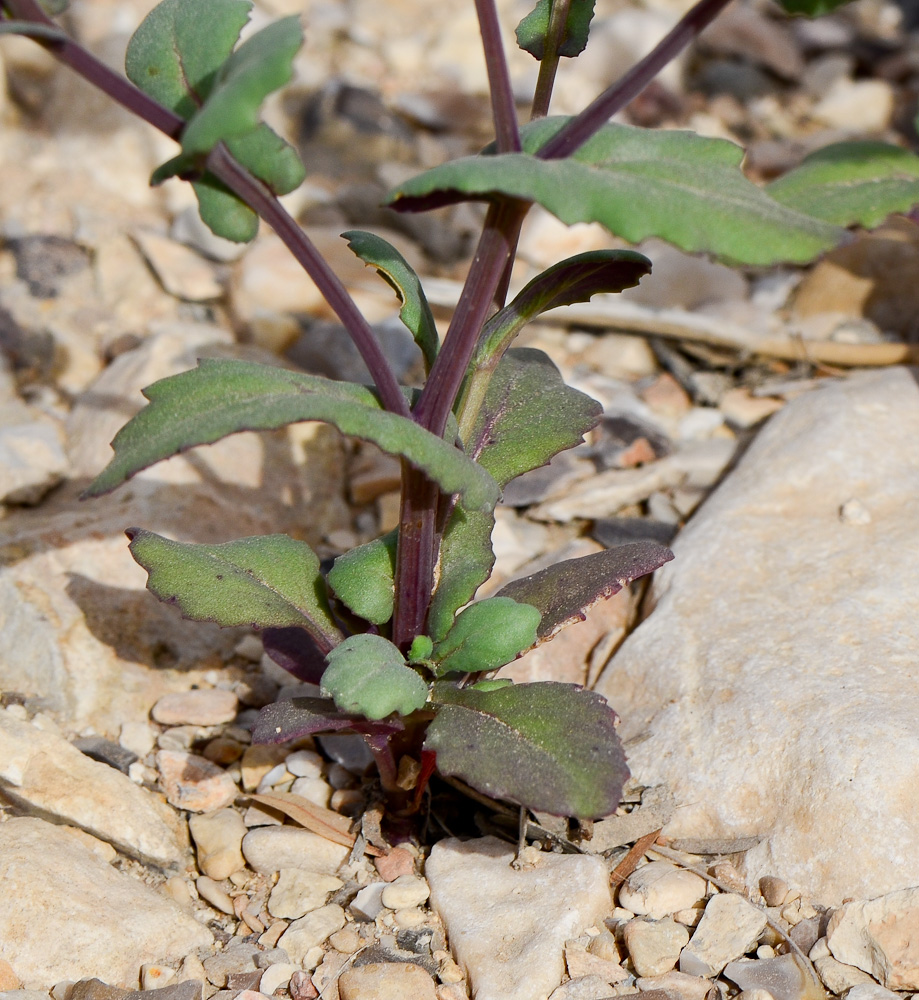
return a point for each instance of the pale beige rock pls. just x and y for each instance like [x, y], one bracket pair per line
[41, 772]
[311, 930]
[683, 985]
[658, 888]
[218, 838]
[181, 271]
[212, 892]
[579, 961]
[204, 707]
[194, 783]
[654, 945]
[406, 890]
[507, 928]
[269, 849]
[880, 936]
[386, 981]
[39, 863]
[729, 928]
[802, 664]
[32, 458]
[298, 892]
[857, 106]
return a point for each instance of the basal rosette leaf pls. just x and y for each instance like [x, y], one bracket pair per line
[565, 592]
[364, 579]
[222, 397]
[367, 675]
[546, 746]
[296, 651]
[265, 581]
[485, 636]
[294, 718]
[638, 183]
[397, 273]
[532, 30]
[851, 182]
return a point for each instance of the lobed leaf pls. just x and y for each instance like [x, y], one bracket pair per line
[679, 186]
[397, 273]
[527, 415]
[222, 397]
[532, 30]
[546, 746]
[261, 65]
[465, 563]
[851, 182]
[367, 675]
[294, 718]
[563, 593]
[485, 636]
[265, 581]
[364, 578]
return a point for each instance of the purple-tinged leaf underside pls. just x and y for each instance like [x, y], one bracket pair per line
[546, 746]
[565, 592]
[295, 650]
[295, 717]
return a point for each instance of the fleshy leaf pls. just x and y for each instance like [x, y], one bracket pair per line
[368, 676]
[223, 212]
[296, 651]
[296, 717]
[527, 416]
[485, 636]
[363, 579]
[547, 746]
[852, 182]
[176, 53]
[563, 593]
[532, 30]
[221, 397]
[268, 580]
[466, 561]
[261, 65]
[679, 186]
[395, 270]
[812, 8]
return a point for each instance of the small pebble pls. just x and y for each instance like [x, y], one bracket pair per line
[298, 892]
[193, 783]
[258, 760]
[305, 764]
[386, 981]
[268, 849]
[316, 790]
[301, 987]
[368, 904]
[773, 890]
[397, 862]
[347, 940]
[220, 750]
[405, 891]
[212, 893]
[729, 928]
[409, 917]
[276, 977]
[218, 837]
[206, 707]
[658, 888]
[311, 931]
[654, 946]
[152, 977]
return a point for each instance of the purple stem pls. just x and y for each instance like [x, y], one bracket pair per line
[242, 183]
[504, 110]
[616, 97]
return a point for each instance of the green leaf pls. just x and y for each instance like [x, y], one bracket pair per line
[261, 65]
[547, 746]
[221, 397]
[678, 186]
[565, 592]
[486, 636]
[223, 212]
[527, 416]
[176, 53]
[394, 269]
[532, 30]
[812, 8]
[368, 676]
[45, 32]
[363, 579]
[851, 182]
[294, 718]
[466, 561]
[421, 649]
[265, 581]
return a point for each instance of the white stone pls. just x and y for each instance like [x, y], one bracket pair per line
[781, 643]
[32, 459]
[204, 707]
[659, 888]
[218, 837]
[42, 772]
[276, 977]
[297, 892]
[871, 991]
[508, 928]
[311, 931]
[881, 937]
[268, 849]
[65, 914]
[729, 928]
[856, 106]
[368, 903]
[304, 764]
[654, 945]
[404, 891]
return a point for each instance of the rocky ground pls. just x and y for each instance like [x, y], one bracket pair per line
[767, 698]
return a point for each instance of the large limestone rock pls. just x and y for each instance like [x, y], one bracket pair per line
[774, 685]
[78, 632]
